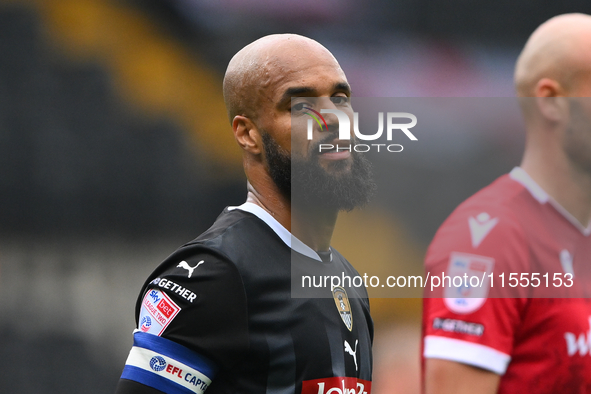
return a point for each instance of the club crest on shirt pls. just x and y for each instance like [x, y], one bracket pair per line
[343, 306]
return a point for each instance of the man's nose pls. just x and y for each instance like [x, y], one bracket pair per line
[338, 121]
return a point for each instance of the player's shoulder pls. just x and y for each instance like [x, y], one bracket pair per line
[210, 254]
[501, 203]
[349, 270]
[182, 288]
[503, 198]
[341, 260]
[238, 234]
[492, 217]
[231, 223]
[234, 236]
[239, 249]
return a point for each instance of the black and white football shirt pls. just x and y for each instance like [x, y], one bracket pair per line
[218, 316]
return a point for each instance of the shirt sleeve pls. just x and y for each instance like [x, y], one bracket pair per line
[191, 322]
[471, 324]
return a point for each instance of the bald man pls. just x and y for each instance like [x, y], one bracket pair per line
[218, 315]
[535, 219]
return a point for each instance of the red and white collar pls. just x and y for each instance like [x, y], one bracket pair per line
[518, 174]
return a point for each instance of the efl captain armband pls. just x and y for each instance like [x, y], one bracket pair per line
[167, 366]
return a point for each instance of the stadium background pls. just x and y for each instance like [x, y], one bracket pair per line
[115, 149]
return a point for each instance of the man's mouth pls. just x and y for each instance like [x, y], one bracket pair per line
[335, 150]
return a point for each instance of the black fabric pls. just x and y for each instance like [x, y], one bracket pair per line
[130, 387]
[244, 319]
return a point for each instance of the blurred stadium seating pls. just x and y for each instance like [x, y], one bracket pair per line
[82, 163]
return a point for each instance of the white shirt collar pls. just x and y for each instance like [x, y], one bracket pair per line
[518, 174]
[289, 239]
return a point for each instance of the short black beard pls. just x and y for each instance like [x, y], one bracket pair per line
[279, 164]
[306, 183]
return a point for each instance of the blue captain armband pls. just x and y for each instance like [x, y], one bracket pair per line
[167, 366]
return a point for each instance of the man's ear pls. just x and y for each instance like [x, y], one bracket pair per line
[550, 99]
[247, 134]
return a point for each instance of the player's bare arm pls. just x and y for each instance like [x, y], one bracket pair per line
[450, 377]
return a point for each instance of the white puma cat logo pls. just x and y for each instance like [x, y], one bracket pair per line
[185, 265]
[349, 350]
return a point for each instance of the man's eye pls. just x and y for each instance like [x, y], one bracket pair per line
[339, 100]
[298, 107]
